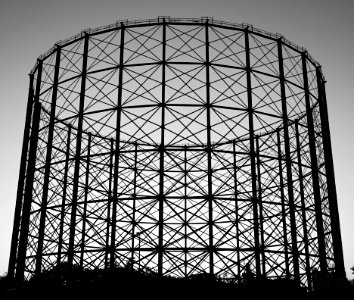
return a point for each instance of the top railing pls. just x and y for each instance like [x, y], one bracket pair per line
[168, 19]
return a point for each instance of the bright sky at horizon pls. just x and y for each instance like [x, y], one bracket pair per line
[30, 28]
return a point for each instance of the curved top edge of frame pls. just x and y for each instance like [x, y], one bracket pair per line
[167, 19]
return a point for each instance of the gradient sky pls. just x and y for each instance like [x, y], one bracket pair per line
[324, 28]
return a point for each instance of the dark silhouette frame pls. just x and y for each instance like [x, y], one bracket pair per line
[180, 145]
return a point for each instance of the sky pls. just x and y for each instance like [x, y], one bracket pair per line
[29, 28]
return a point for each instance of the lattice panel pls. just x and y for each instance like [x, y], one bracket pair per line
[178, 146]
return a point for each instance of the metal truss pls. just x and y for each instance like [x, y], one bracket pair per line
[179, 145]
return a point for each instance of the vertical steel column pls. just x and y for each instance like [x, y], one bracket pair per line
[21, 183]
[259, 181]
[252, 156]
[109, 204]
[331, 183]
[117, 150]
[303, 204]
[134, 223]
[295, 251]
[42, 221]
[236, 209]
[283, 211]
[65, 184]
[31, 165]
[314, 167]
[78, 154]
[210, 196]
[185, 211]
[161, 149]
[87, 176]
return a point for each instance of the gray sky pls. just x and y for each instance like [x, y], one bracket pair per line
[324, 28]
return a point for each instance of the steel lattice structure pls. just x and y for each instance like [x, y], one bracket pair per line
[179, 145]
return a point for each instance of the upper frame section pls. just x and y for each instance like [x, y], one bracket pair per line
[160, 20]
[176, 82]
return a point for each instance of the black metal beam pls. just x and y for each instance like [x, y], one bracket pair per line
[303, 205]
[252, 155]
[117, 150]
[46, 179]
[134, 199]
[259, 182]
[21, 183]
[210, 196]
[161, 150]
[31, 165]
[295, 252]
[78, 154]
[64, 198]
[331, 183]
[86, 191]
[109, 204]
[314, 168]
[185, 235]
[283, 208]
[237, 216]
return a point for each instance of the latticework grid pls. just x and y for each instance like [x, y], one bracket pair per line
[179, 145]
